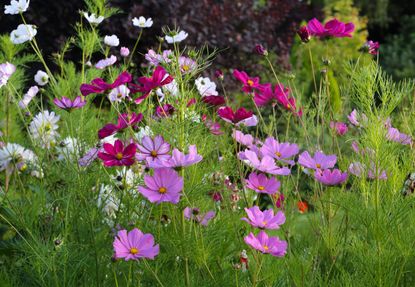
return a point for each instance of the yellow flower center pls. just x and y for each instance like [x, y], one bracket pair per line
[23, 167]
[119, 95]
[162, 190]
[185, 67]
[153, 153]
[288, 106]
[250, 83]
[261, 187]
[133, 250]
[318, 165]
[264, 222]
[278, 154]
[118, 156]
[266, 247]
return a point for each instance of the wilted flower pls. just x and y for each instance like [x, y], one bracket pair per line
[260, 50]
[265, 164]
[333, 28]
[6, 70]
[176, 37]
[262, 184]
[330, 177]
[164, 186]
[102, 64]
[150, 150]
[264, 219]
[67, 104]
[249, 84]
[98, 85]
[41, 78]
[117, 155]
[340, 128]
[194, 214]
[112, 40]
[135, 245]
[44, 128]
[304, 34]
[142, 22]
[280, 151]
[319, 161]
[23, 33]
[372, 47]
[268, 245]
[16, 7]
[93, 19]
[27, 98]
[119, 93]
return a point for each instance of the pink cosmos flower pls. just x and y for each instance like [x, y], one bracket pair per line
[124, 51]
[178, 159]
[135, 245]
[330, 177]
[124, 121]
[358, 169]
[164, 186]
[155, 59]
[356, 119]
[319, 161]
[249, 84]
[340, 128]
[99, 86]
[333, 28]
[27, 98]
[214, 128]
[164, 112]
[187, 65]
[265, 219]
[243, 139]
[372, 47]
[396, 136]
[6, 71]
[214, 100]
[117, 155]
[279, 151]
[265, 164]
[150, 150]
[304, 34]
[68, 105]
[194, 215]
[241, 116]
[268, 245]
[159, 78]
[102, 64]
[262, 184]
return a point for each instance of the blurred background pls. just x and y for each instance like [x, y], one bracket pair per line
[234, 26]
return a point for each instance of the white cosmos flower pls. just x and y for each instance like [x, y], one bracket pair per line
[102, 64]
[14, 156]
[16, 7]
[68, 149]
[176, 37]
[170, 88]
[44, 128]
[142, 22]
[6, 70]
[93, 19]
[126, 178]
[27, 98]
[41, 78]
[119, 93]
[206, 87]
[23, 33]
[112, 40]
[109, 203]
[142, 132]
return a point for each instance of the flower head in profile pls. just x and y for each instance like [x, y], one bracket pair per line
[249, 83]
[358, 169]
[195, 215]
[16, 7]
[319, 161]
[23, 33]
[142, 22]
[99, 86]
[357, 119]
[260, 50]
[165, 111]
[27, 98]
[111, 41]
[279, 151]
[176, 37]
[68, 105]
[102, 64]
[264, 219]
[263, 163]
[396, 136]
[164, 186]
[93, 19]
[124, 121]
[155, 59]
[240, 116]
[339, 127]
[135, 245]
[265, 244]
[150, 149]
[330, 177]
[117, 154]
[262, 184]
[44, 128]
[304, 34]
[372, 47]
[333, 28]
[41, 78]
[6, 71]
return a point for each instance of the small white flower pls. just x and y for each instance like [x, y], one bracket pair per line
[6, 70]
[119, 94]
[206, 87]
[112, 40]
[93, 19]
[142, 22]
[102, 64]
[68, 149]
[41, 78]
[142, 132]
[176, 37]
[44, 128]
[31, 93]
[16, 7]
[23, 33]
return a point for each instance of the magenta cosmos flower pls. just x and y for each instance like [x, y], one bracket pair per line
[178, 159]
[265, 164]
[164, 112]
[280, 151]
[124, 121]
[330, 177]
[333, 28]
[68, 105]
[194, 215]
[99, 86]
[319, 161]
[265, 244]
[372, 47]
[214, 100]
[150, 149]
[262, 184]
[280, 95]
[164, 186]
[134, 245]
[249, 83]
[339, 127]
[159, 78]
[241, 116]
[265, 219]
[117, 155]
[304, 34]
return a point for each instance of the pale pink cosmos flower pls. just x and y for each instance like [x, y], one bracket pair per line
[262, 184]
[178, 159]
[279, 151]
[243, 139]
[358, 169]
[330, 177]
[194, 215]
[265, 244]
[187, 65]
[357, 119]
[124, 52]
[135, 245]
[396, 136]
[265, 164]
[102, 64]
[319, 161]
[6, 71]
[264, 219]
[150, 149]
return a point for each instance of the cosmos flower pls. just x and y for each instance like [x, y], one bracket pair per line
[142, 22]
[44, 128]
[244, 139]
[371, 47]
[304, 34]
[357, 119]
[135, 245]
[262, 184]
[118, 94]
[124, 52]
[280, 151]
[176, 37]
[330, 177]
[16, 7]
[214, 128]
[93, 19]
[99, 86]
[187, 65]
[358, 169]
[260, 50]
[265, 164]
[6, 71]
[102, 64]
[108, 203]
[150, 149]
[333, 28]
[241, 116]
[249, 84]
[264, 219]
[41, 78]
[396, 136]
[164, 111]
[179, 159]
[23, 33]
[155, 59]
[68, 149]
[340, 128]
[117, 154]
[27, 98]
[206, 87]
[68, 105]
[112, 40]
[164, 186]
[15, 157]
[124, 121]
[265, 244]
[194, 215]
[214, 100]
[170, 89]
[319, 161]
